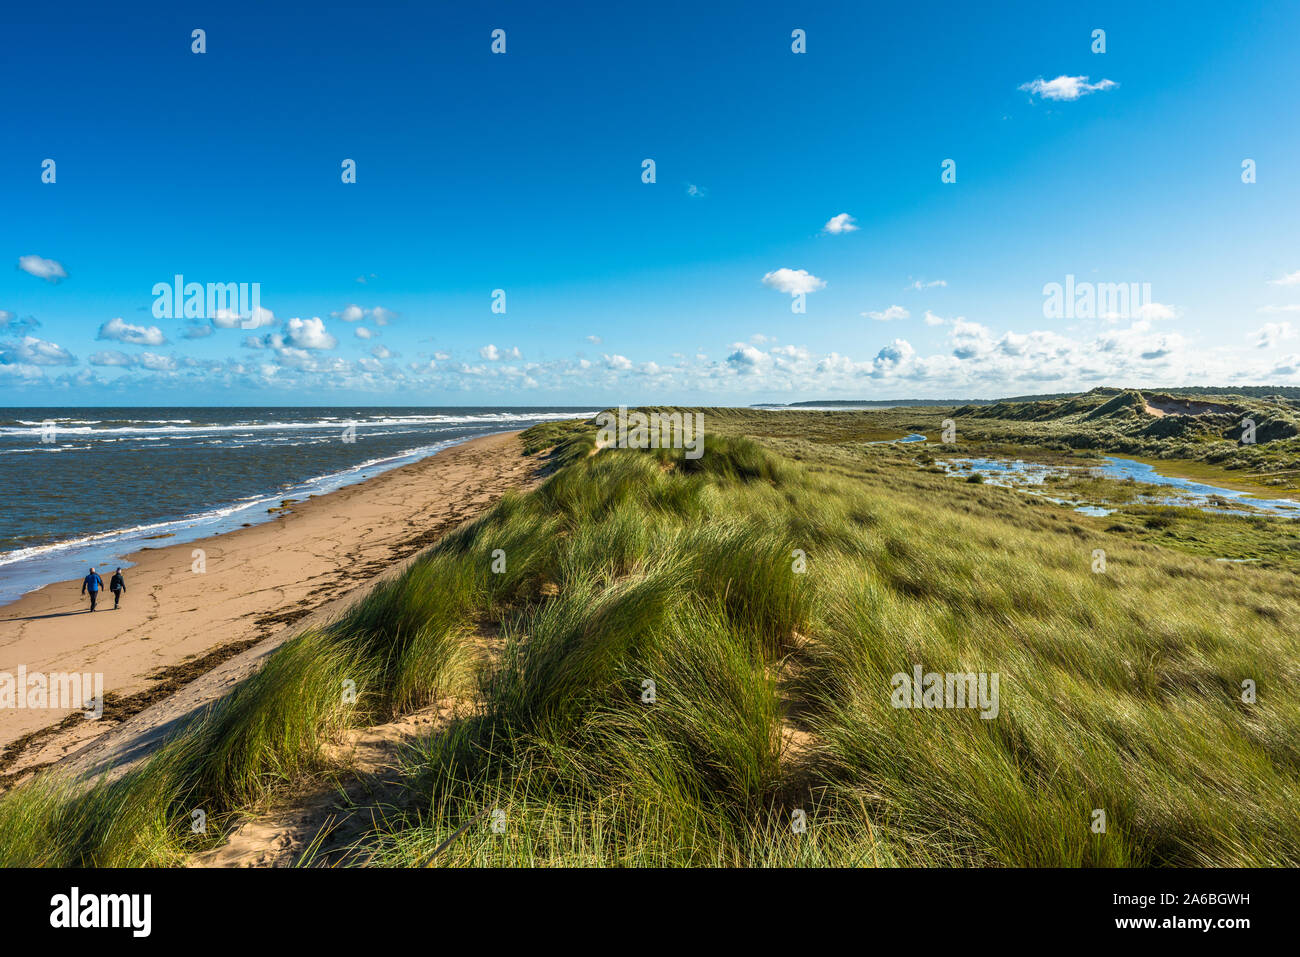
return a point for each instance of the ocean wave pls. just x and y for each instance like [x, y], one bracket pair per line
[325, 422]
[317, 485]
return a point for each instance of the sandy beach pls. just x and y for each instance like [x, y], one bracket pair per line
[177, 625]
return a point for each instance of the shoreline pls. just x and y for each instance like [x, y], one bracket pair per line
[31, 568]
[178, 624]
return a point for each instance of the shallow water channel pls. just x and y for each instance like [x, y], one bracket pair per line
[1165, 489]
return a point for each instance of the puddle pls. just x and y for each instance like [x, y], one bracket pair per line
[914, 437]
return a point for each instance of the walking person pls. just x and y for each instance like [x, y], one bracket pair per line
[117, 585]
[92, 583]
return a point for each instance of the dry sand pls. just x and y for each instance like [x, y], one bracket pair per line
[182, 638]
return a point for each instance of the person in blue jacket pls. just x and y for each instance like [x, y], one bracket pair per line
[92, 583]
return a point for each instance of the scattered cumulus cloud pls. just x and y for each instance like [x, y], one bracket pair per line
[51, 270]
[300, 336]
[1065, 87]
[1153, 311]
[231, 319]
[12, 324]
[354, 313]
[1270, 334]
[840, 223]
[31, 351]
[1290, 279]
[793, 281]
[308, 334]
[918, 285]
[118, 330]
[110, 357]
[149, 361]
[746, 358]
[893, 312]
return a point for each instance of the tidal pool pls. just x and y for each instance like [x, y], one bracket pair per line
[1029, 476]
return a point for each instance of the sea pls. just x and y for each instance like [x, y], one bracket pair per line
[88, 486]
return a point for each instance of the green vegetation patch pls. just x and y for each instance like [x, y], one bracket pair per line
[699, 667]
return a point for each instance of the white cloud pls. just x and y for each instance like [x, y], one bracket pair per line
[155, 362]
[1153, 311]
[1065, 87]
[595, 340]
[746, 357]
[893, 312]
[381, 352]
[23, 373]
[354, 313]
[932, 320]
[840, 223]
[11, 323]
[1290, 279]
[892, 356]
[793, 281]
[35, 352]
[308, 334]
[111, 357]
[118, 330]
[918, 285]
[231, 319]
[490, 352]
[50, 270]
[197, 330]
[362, 332]
[618, 362]
[1272, 333]
[1276, 309]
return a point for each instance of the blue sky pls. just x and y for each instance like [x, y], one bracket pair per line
[523, 172]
